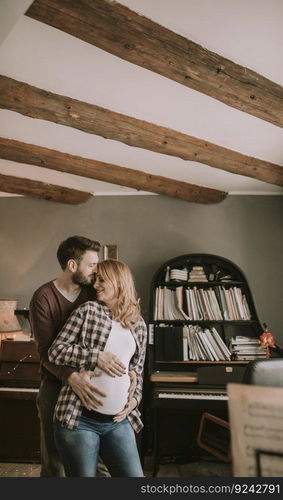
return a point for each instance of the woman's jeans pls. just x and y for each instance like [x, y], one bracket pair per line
[114, 441]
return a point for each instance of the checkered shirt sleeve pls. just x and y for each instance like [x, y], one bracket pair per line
[137, 364]
[76, 345]
[137, 361]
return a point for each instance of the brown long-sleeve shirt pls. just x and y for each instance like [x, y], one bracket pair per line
[48, 312]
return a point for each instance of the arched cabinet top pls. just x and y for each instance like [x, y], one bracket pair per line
[210, 262]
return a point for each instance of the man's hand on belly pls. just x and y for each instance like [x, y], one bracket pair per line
[82, 384]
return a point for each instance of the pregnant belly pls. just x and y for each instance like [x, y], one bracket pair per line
[116, 390]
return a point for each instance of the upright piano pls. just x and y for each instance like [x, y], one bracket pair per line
[176, 401]
[19, 383]
[206, 385]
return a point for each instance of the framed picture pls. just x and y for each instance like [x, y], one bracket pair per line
[110, 252]
[267, 461]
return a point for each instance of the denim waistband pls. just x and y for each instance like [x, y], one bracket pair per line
[95, 415]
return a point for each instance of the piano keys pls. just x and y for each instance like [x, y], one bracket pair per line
[175, 388]
[20, 390]
[18, 393]
[203, 396]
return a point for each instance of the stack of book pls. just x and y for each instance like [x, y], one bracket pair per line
[179, 274]
[226, 277]
[246, 348]
[197, 274]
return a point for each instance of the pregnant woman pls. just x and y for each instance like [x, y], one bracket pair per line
[109, 335]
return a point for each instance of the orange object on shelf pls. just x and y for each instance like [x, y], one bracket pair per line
[266, 339]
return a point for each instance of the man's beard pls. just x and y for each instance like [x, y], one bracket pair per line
[80, 279]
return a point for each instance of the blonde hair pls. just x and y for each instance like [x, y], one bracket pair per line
[127, 309]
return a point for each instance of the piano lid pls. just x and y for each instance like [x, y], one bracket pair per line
[220, 374]
[19, 350]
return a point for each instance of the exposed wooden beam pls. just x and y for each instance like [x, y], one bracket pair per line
[63, 162]
[38, 103]
[126, 34]
[43, 190]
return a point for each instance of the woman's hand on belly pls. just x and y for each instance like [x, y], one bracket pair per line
[128, 408]
[110, 364]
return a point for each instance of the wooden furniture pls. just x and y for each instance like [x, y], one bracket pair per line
[19, 382]
[19, 364]
[214, 436]
[178, 390]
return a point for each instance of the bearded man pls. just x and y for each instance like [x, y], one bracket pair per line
[50, 307]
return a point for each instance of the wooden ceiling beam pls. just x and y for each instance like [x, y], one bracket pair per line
[135, 38]
[63, 162]
[42, 190]
[37, 103]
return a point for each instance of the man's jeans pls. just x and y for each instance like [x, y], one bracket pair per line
[51, 464]
[115, 441]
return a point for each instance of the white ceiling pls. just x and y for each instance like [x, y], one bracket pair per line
[248, 32]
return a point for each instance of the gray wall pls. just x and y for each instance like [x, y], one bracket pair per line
[148, 231]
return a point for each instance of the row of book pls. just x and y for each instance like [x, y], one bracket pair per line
[197, 304]
[196, 273]
[246, 348]
[190, 342]
[234, 303]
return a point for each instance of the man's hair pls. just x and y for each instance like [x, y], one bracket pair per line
[74, 248]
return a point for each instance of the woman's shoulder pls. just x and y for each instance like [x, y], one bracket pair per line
[91, 306]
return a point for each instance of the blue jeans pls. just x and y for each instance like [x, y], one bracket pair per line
[114, 441]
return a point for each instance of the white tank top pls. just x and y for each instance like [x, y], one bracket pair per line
[120, 342]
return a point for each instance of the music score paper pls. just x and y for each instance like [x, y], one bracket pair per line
[256, 423]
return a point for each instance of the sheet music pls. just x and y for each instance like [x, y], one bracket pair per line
[256, 420]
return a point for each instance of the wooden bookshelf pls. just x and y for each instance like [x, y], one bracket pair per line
[220, 273]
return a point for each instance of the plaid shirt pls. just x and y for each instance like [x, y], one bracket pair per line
[78, 344]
